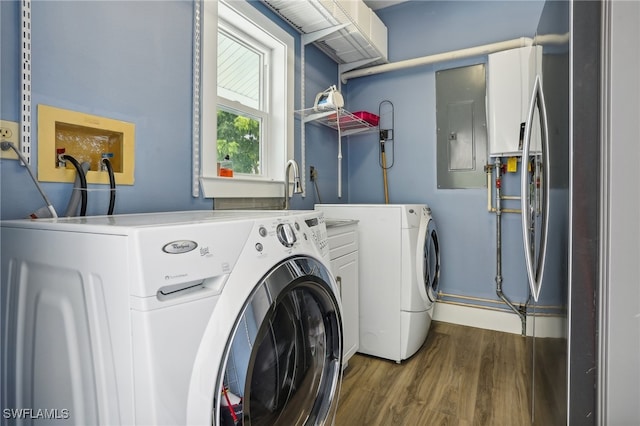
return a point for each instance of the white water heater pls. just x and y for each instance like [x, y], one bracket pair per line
[511, 74]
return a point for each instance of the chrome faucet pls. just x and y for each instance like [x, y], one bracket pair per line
[297, 188]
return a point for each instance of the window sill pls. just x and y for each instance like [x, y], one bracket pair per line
[241, 187]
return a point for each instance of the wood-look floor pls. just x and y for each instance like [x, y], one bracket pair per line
[461, 376]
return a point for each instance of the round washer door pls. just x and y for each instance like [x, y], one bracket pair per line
[284, 358]
[428, 260]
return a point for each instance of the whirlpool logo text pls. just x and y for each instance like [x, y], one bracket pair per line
[179, 247]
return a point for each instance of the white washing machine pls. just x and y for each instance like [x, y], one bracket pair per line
[170, 318]
[399, 275]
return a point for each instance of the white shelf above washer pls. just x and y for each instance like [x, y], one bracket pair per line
[349, 123]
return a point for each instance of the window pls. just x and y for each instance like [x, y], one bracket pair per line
[246, 105]
[241, 113]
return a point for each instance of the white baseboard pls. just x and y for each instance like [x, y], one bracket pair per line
[491, 319]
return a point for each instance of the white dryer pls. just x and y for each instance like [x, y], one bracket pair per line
[141, 319]
[399, 274]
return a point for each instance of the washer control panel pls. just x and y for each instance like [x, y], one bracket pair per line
[286, 235]
[318, 230]
[294, 231]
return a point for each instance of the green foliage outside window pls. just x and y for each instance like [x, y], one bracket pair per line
[239, 138]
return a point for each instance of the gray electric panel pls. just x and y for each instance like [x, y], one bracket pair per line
[462, 127]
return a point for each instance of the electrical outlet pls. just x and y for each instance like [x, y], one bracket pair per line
[313, 173]
[10, 132]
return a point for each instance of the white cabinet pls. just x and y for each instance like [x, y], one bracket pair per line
[343, 251]
[348, 31]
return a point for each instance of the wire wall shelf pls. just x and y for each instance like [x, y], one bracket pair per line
[348, 123]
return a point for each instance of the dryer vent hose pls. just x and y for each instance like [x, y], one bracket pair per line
[5, 146]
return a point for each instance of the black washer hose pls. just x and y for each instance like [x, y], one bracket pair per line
[83, 183]
[112, 185]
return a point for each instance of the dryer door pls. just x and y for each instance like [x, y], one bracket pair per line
[428, 259]
[284, 358]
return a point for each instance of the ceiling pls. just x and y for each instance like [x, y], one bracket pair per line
[380, 4]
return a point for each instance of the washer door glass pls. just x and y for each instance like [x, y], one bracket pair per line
[431, 262]
[283, 361]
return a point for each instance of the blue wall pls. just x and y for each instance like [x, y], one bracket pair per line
[321, 142]
[130, 61]
[467, 231]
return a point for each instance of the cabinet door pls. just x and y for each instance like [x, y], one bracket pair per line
[345, 269]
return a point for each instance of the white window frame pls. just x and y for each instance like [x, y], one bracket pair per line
[278, 139]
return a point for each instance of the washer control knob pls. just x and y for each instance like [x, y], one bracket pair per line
[286, 235]
[262, 231]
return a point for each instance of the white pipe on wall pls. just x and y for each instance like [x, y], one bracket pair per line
[439, 57]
